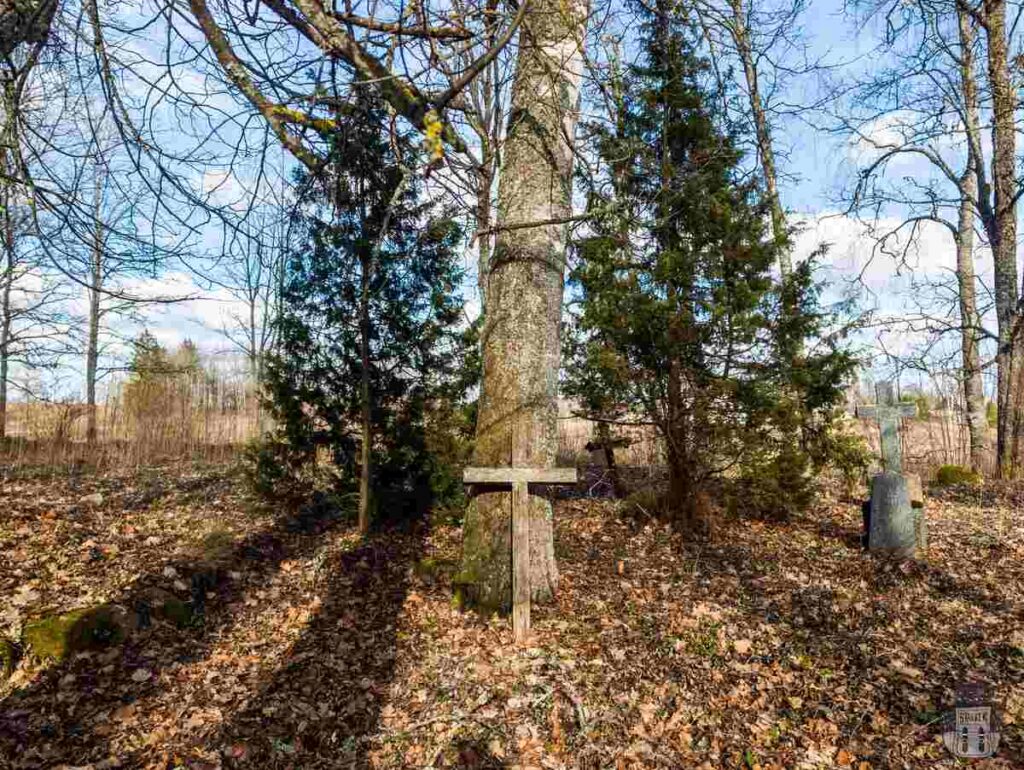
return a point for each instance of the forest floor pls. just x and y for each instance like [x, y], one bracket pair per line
[769, 645]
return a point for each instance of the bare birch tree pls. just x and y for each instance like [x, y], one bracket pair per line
[33, 328]
[759, 38]
[929, 106]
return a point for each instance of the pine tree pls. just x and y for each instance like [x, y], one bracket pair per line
[149, 358]
[369, 337]
[680, 324]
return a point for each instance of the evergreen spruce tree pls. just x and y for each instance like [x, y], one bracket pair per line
[369, 336]
[679, 322]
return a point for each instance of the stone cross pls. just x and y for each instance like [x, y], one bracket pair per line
[888, 413]
[520, 479]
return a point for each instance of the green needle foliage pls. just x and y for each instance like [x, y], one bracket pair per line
[680, 323]
[365, 224]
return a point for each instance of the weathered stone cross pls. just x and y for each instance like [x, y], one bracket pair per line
[888, 413]
[520, 479]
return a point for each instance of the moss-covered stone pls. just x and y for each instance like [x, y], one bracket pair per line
[59, 636]
[175, 611]
[9, 654]
[952, 475]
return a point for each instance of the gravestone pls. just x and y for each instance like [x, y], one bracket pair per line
[894, 521]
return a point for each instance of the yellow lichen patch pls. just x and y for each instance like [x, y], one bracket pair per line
[323, 125]
[432, 130]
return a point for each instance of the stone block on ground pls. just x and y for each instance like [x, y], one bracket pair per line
[59, 636]
[894, 522]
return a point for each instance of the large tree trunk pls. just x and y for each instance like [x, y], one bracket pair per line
[970, 322]
[762, 130]
[1004, 244]
[521, 347]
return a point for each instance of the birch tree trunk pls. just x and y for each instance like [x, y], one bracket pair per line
[9, 258]
[970, 322]
[6, 314]
[1004, 244]
[762, 131]
[517, 424]
[485, 180]
[92, 349]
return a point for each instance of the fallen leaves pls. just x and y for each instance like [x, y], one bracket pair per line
[774, 645]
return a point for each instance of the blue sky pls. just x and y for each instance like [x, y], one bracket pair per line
[816, 164]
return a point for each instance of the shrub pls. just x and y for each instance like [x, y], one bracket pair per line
[273, 470]
[953, 475]
[777, 487]
[371, 246]
[778, 479]
[845, 452]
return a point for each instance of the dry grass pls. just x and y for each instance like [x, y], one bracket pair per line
[174, 426]
[930, 443]
[203, 426]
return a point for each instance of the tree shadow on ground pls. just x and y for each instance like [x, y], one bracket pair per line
[63, 715]
[321, 707]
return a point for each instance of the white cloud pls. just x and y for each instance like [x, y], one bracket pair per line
[882, 255]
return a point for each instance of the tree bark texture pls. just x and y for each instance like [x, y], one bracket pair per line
[970, 322]
[517, 424]
[1004, 243]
